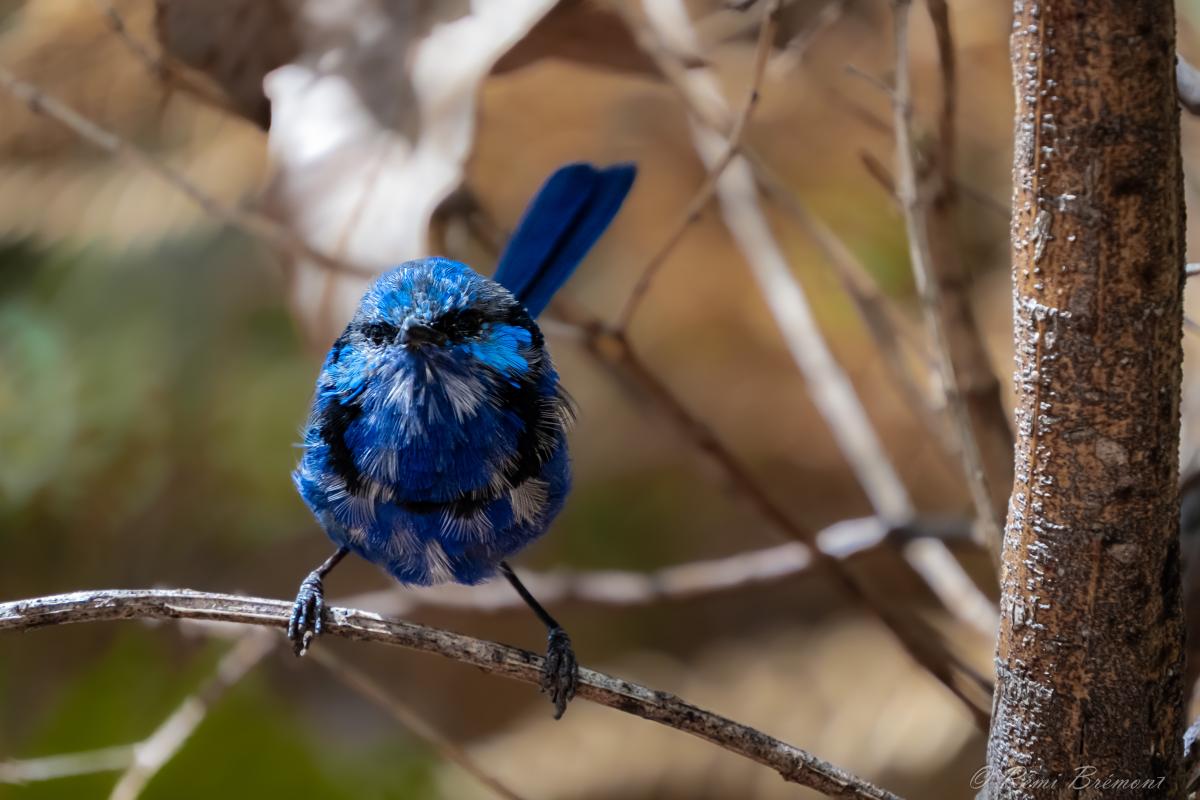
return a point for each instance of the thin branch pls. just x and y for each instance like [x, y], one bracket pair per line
[889, 329]
[362, 684]
[916, 227]
[153, 63]
[869, 79]
[791, 763]
[613, 349]
[828, 385]
[142, 760]
[250, 223]
[884, 322]
[832, 392]
[977, 384]
[158, 66]
[877, 124]
[152, 754]
[793, 53]
[939, 15]
[67, 765]
[691, 213]
[840, 540]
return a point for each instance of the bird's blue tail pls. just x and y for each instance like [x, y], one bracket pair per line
[569, 213]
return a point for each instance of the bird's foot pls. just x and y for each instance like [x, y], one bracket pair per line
[306, 623]
[560, 672]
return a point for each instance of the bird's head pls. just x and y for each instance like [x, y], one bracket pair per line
[431, 328]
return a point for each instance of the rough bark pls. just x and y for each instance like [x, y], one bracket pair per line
[1090, 651]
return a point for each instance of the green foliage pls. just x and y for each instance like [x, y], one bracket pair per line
[165, 376]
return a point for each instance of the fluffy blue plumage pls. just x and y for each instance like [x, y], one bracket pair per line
[436, 444]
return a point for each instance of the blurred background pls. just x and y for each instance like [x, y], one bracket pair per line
[156, 364]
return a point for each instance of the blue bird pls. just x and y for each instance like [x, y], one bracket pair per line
[436, 445]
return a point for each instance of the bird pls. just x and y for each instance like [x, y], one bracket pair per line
[436, 444]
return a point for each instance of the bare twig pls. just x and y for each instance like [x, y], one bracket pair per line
[792, 54]
[248, 222]
[841, 540]
[939, 15]
[153, 63]
[870, 79]
[705, 193]
[158, 66]
[67, 765]
[977, 383]
[791, 763]
[830, 388]
[916, 227]
[877, 124]
[369, 689]
[828, 385]
[832, 393]
[152, 754]
[142, 760]
[884, 322]
[890, 330]
[613, 349]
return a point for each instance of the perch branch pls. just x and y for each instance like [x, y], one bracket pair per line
[791, 763]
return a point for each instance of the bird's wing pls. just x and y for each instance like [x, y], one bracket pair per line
[569, 213]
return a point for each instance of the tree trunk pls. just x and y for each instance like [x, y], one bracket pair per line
[1089, 699]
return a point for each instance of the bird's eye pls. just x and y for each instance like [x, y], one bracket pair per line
[461, 326]
[380, 333]
[470, 322]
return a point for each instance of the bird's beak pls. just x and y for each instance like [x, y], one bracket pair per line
[417, 335]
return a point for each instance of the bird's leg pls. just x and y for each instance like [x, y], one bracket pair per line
[560, 672]
[305, 624]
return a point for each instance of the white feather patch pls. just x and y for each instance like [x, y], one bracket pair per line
[465, 392]
[402, 544]
[529, 500]
[437, 563]
[476, 527]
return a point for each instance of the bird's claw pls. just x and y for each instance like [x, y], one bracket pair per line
[306, 622]
[560, 672]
